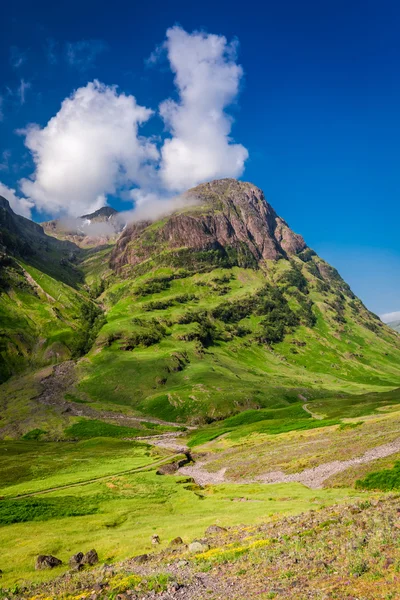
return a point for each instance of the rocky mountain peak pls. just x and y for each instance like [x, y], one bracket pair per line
[229, 216]
[101, 214]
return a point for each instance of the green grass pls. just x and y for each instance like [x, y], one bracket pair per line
[385, 480]
[274, 425]
[31, 466]
[123, 512]
[43, 509]
[92, 428]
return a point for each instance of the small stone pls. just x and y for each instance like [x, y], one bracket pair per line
[182, 563]
[98, 587]
[174, 587]
[176, 541]
[44, 561]
[142, 558]
[155, 539]
[215, 529]
[198, 546]
[388, 562]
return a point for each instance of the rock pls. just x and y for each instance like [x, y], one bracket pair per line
[155, 539]
[182, 563]
[176, 541]
[215, 529]
[388, 563]
[232, 213]
[168, 469]
[75, 560]
[174, 587]
[98, 587]
[198, 546]
[141, 558]
[90, 558]
[1, 573]
[47, 561]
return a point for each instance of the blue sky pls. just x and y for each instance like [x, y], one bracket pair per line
[316, 108]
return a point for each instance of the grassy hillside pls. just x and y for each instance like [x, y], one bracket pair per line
[200, 346]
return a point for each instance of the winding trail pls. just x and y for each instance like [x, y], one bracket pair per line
[313, 414]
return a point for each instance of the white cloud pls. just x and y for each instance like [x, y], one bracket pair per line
[89, 149]
[23, 86]
[390, 317]
[21, 206]
[83, 54]
[207, 78]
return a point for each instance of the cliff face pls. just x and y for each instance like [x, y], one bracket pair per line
[227, 214]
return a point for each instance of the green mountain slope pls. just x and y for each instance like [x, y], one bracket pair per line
[44, 308]
[221, 307]
[215, 309]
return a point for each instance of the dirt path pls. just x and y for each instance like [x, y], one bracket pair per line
[312, 478]
[165, 440]
[313, 414]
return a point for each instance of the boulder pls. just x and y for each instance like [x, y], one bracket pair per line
[176, 541]
[76, 560]
[47, 561]
[168, 469]
[90, 558]
[141, 558]
[215, 529]
[198, 546]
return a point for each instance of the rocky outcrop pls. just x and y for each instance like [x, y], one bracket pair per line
[47, 561]
[228, 214]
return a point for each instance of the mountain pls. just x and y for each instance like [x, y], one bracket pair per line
[214, 309]
[42, 295]
[204, 370]
[395, 325]
[95, 229]
[231, 222]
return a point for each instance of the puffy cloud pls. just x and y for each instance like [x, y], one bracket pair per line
[91, 148]
[21, 206]
[207, 78]
[88, 150]
[83, 54]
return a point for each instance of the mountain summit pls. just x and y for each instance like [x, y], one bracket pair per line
[229, 217]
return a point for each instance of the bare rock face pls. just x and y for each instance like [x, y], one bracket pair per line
[228, 214]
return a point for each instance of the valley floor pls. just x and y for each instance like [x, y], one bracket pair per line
[317, 495]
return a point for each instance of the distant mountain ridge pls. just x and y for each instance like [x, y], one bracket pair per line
[90, 230]
[394, 325]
